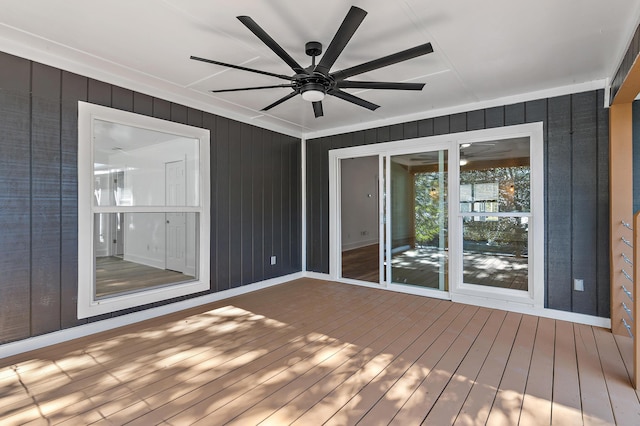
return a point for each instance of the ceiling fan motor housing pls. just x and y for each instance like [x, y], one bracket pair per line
[313, 48]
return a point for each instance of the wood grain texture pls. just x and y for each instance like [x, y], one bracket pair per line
[536, 401]
[603, 249]
[316, 352]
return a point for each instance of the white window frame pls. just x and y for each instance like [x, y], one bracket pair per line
[88, 305]
[458, 291]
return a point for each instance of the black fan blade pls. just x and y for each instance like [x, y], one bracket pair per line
[251, 88]
[238, 67]
[281, 100]
[345, 84]
[271, 44]
[353, 99]
[348, 27]
[317, 109]
[383, 62]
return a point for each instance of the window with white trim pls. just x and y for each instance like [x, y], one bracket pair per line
[143, 210]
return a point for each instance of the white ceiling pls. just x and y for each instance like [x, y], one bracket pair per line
[484, 51]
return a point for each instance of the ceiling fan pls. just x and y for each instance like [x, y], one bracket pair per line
[316, 81]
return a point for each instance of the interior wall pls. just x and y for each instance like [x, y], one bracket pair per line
[402, 213]
[576, 158]
[255, 194]
[359, 202]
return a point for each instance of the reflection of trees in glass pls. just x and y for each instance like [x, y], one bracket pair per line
[427, 206]
[513, 185]
[508, 234]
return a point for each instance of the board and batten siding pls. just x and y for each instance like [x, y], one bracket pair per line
[255, 195]
[576, 170]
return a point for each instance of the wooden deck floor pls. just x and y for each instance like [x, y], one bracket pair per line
[312, 352]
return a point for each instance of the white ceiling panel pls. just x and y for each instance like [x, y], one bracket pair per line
[483, 51]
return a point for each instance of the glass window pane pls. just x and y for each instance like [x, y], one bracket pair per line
[495, 176]
[419, 219]
[141, 167]
[137, 251]
[360, 222]
[496, 251]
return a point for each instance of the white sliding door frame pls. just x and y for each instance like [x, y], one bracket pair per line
[533, 297]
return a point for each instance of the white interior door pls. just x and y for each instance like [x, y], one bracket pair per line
[176, 236]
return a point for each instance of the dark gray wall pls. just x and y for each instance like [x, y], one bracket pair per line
[255, 194]
[576, 158]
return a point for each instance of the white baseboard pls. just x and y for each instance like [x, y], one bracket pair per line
[522, 308]
[317, 276]
[358, 244]
[38, 342]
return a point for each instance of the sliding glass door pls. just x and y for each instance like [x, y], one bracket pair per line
[454, 216]
[418, 212]
[359, 218]
[495, 212]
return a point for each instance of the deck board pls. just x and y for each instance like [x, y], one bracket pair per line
[508, 402]
[566, 406]
[315, 352]
[363, 389]
[224, 373]
[451, 400]
[595, 409]
[623, 399]
[428, 391]
[536, 401]
[279, 388]
[321, 390]
[477, 406]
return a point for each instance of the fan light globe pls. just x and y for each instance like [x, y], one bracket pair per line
[313, 95]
